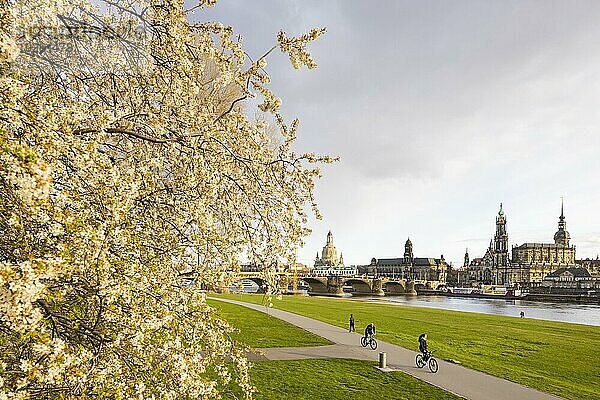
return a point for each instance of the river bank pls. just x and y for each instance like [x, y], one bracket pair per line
[585, 314]
[544, 297]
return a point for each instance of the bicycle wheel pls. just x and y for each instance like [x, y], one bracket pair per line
[373, 344]
[363, 341]
[419, 361]
[433, 365]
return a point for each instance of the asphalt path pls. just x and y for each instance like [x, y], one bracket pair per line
[464, 382]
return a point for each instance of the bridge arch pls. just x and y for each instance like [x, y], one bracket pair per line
[315, 285]
[262, 284]
[392, 288]
[359, 286]
[419, 286]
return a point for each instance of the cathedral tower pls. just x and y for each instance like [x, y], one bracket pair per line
[501, 261]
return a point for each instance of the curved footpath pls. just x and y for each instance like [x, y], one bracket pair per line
[464, 382]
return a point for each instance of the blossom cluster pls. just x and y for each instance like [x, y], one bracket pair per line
[296, 47]
[126, 163]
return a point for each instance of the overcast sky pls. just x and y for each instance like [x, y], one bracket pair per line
[439, 111]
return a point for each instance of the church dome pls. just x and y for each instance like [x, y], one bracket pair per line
[561, 236]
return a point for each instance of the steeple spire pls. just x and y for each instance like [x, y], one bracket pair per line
[562, 236]
[561, 220]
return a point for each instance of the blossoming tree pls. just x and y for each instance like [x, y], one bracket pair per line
[128, 157]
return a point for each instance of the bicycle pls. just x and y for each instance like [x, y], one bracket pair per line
[368, 341]
[427, 359]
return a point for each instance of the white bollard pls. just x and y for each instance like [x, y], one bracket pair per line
[382, 360]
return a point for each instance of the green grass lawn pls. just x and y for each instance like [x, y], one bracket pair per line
[553, 357]
[314, 379]
[337, 379]
[257, 329]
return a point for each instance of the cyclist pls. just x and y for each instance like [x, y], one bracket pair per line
[423, 345]
[370, 330]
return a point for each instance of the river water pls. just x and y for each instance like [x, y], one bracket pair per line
[588, 314]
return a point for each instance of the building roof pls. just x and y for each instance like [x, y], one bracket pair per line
[577, 272]
[538, 245]
[417, 261]
[425, 261]
[390, 261]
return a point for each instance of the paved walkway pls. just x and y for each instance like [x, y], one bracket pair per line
[467, 383]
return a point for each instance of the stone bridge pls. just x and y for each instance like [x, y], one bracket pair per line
[360, 285]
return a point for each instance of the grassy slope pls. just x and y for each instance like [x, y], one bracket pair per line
[553, 357]
[257, 329]
[338, 379]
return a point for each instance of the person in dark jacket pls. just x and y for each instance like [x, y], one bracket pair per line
[370, 330]
[423, 344]
[351, 323]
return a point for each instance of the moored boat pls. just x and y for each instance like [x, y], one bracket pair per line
[486, 291]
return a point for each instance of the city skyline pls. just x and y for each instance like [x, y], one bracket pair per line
[439, 112]
[470, 251]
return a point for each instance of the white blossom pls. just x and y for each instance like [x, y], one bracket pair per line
[125, 146]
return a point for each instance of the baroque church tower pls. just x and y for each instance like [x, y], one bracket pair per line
[501, 240]
[501, 258]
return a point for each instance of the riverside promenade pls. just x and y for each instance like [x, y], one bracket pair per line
[464, 382]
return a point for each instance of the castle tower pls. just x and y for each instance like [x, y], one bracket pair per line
[408, 252]
[562, 236]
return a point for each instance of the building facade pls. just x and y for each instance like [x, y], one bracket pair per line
[592, 265]
[408, 267]
[573, 278]
[532, 262]
[340, 270]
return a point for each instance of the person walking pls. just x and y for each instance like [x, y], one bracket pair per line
[522, 314]
[351, 324]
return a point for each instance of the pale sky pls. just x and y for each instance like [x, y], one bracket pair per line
[439, 111]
